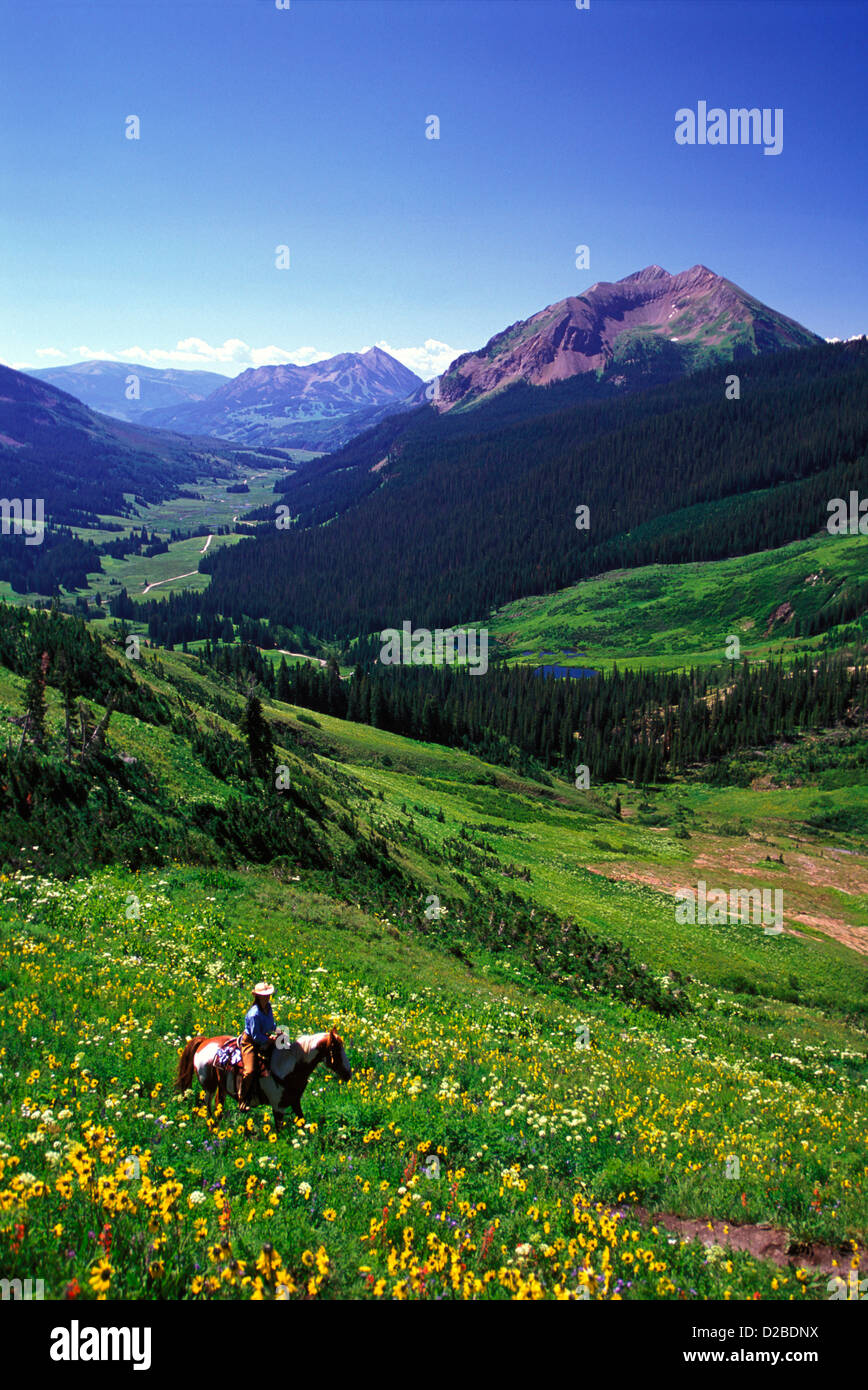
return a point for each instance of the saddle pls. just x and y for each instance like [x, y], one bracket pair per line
[228, 1058]
[229, 1054]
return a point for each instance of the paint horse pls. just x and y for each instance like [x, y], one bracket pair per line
[291, 1065]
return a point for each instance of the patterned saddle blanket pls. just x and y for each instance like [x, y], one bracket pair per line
[229, 1054]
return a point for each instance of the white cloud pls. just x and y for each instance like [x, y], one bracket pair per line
[231, 357]
[301, 357]
[88, 354]
[234, 356]
[431, 359]
[39, 352]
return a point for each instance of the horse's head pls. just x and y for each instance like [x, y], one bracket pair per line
[335, 1056]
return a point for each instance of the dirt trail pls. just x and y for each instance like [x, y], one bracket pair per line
[854, 937]
[764, 1241]
[804, 873]
[306, 656]
[818, 868]
[155, 583]
[206, 545]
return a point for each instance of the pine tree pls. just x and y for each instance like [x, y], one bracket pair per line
[67, 689]
[35, 699]
[257, 731]
[283, 692]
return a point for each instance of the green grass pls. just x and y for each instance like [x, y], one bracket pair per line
[559, 843]
[543, 1146]
[216, 507]
[136, 572]
[669, 616]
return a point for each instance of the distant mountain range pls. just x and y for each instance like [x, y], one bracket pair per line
[618, 339]
[320, 406]
[487, 501]
[644, 330]
[314, 407]
[649, 327]
[104, 386]
[83, 464]
[613, 399]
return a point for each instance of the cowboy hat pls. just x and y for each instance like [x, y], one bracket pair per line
[263, 988]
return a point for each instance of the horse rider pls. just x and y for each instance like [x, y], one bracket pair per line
[257, 1040]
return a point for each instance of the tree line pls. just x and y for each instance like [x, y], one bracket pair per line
[632, 724]
[464, 516]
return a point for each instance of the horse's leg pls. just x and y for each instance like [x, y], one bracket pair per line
[246, 1081]
[221, 1088]
[278, 1119]
[232, 1077]
[212, 1084]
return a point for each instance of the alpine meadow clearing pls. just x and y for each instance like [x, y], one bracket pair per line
[493, 1142]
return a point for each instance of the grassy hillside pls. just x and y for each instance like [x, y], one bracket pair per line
[585, 1068]
[543, 1145]
[666, 616]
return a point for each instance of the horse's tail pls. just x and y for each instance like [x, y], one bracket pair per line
[184, 1079]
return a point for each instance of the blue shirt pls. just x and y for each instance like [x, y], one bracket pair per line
[259, 1023]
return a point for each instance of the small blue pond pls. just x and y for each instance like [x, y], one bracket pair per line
[574, 671]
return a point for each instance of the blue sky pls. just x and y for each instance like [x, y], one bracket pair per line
[306, 127]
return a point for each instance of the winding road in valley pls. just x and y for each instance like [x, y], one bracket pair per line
[305, 656]
[155, 583]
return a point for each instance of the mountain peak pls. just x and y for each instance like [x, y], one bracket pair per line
[296, 406]
[649, 324]
[641, 277]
